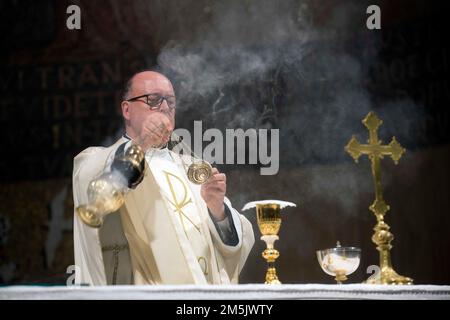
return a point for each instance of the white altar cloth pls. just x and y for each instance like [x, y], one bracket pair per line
[230, 292]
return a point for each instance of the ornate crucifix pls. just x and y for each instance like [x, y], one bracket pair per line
[382, 237]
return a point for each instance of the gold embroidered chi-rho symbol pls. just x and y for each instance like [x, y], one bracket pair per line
[179, 205]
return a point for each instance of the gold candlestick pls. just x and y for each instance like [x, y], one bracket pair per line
[382, 236]
[268, 215]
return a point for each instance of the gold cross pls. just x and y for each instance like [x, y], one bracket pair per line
[376, 151]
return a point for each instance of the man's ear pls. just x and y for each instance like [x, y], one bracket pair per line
[125, 110]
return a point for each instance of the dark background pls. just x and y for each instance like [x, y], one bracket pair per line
[309, 68]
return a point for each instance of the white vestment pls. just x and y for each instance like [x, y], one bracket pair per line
[163, 234]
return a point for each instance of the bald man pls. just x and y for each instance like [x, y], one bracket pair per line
[169, 230]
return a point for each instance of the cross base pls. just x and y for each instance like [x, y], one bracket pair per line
[388, 276]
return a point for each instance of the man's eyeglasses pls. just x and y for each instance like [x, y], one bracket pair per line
[154, 100]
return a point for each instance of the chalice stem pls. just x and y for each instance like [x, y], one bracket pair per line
[271, 254]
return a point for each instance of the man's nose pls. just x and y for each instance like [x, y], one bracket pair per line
[164, 106]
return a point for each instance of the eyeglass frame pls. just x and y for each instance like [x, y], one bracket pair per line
[158, 105]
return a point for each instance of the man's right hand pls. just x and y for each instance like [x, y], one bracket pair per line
[155, 131]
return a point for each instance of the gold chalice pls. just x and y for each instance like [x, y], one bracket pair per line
[268, 215]
[339, 261]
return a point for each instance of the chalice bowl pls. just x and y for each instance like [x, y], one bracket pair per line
[268, 216]
[339, 261]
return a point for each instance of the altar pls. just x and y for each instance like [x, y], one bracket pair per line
[231, 292]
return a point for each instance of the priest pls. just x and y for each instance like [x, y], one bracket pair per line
[169, 230]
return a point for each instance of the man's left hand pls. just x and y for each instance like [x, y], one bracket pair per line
[213, 192]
